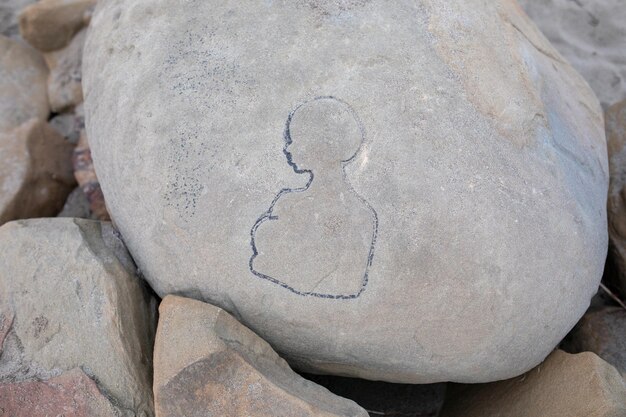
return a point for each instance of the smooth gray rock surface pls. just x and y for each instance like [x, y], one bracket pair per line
[408, 191]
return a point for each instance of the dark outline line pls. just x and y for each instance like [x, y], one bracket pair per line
[269, 216]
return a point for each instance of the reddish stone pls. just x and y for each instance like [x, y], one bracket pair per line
[72, 394]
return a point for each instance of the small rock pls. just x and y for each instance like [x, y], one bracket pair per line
[85, 174]
[579, 385]
[207, 363]
[71, 124]
[23, 84]
[35, 171]
[64, 81]
[602, 332]
[77, 205]
[50, 24]
[615, 121]
[72, 394]
[75, 302]
[9, 12]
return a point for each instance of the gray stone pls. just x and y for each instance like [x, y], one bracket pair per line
[208, 364]
[70, 296]
[70, 124]
[409, 191]
[591, 35]
[9, 12]
[77, 205]
[23, 77]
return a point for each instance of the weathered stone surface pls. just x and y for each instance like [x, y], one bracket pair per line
[35, 171]
[64, 83]
[76, 303]
[71, 124]
[23, 75]
[51, 24]
[581, 385]
[9, 12]
[602, 332]
[591, 35]
[206, 363]
[615, 120]
[430, 173]
[85, 174]
[77, 205]
[72, 394]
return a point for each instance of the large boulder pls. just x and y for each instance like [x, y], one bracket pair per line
[581, 385]
[591, 35]
[408, 191]
[76, 323]
[208, 364]
[23, 80]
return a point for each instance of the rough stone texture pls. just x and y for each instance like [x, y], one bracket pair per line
[64, 81]
[449, 198]
[602, 332]
[386, 399]
[591, 35]
[581, 385]
[72, 394]
[615, 120]
[71, 124]
[77, 205]
[23, 75]
[206, 363]
[51, 24]
[35, 171]
[9, 12]
[76, 303]
[85, 174]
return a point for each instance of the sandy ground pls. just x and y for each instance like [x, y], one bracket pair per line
[591, 34]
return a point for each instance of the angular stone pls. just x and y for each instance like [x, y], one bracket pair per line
[591, 35]
[51, 24]
[206, 363]
[76, 302]
[429, 173]
[77, 205]
[35, 171]
[64, 83]
[581, 385]
[72, 394]
[23, 75]
[615, 120]
[71, 124]
[602, 332]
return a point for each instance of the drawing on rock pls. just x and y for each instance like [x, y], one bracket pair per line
[318, 240]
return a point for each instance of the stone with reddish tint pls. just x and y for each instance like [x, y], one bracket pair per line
[23, 84]
[70, 298]
[50, 24]
[72, 394]
[85, 174]
[208, 364]
[35, 171]
[581, 385]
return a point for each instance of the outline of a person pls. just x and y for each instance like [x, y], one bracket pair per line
[321, 136]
